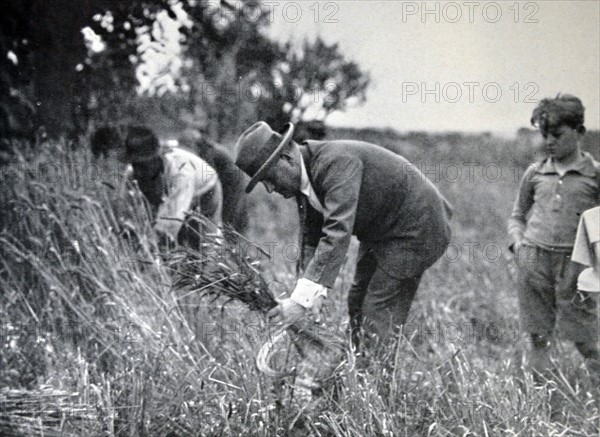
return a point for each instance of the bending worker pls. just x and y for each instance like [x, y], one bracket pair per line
[346, 188]
[175, 183]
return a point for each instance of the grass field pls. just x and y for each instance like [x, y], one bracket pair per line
[95, 339]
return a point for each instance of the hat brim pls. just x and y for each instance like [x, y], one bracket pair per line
[260, 173]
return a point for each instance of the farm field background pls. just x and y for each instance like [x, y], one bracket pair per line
[95, 340]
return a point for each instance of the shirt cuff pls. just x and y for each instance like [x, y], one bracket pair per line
[307, 291]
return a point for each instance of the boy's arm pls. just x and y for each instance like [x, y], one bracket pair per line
[185, 180]
[171, 211]
[596, 250]
[586, 248]
[591, 219]
[521, 207]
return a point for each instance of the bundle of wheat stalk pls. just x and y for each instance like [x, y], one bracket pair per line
[222, 269]
[47, 412]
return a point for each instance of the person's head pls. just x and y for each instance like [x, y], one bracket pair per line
[310, 130]
[142, 151]
[560, 121]
[271, 158]
[105, 139]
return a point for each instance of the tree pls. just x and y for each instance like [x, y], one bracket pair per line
[311, 82]
[229, 54]
[228, 73]
[51, 59]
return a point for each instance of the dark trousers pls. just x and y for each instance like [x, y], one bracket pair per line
[377, 301]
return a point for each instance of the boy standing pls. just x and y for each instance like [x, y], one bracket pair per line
[552, 196]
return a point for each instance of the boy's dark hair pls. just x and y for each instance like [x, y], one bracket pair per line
[141, 143]
[104, 139]
[564, 109]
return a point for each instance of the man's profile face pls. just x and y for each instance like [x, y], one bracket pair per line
[284, 176]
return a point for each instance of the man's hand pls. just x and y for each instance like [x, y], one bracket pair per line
[306, 295]
[316, 308]
[286, 312]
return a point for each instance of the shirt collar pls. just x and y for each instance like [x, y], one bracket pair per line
[307, 189]
[585, 166]
[305, 186]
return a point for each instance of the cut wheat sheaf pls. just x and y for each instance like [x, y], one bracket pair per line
[220, 269]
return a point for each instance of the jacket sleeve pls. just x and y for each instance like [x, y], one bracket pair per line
[313, 227]
[340, 181]
[523, 203]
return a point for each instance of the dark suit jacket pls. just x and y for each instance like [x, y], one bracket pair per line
[381, 198]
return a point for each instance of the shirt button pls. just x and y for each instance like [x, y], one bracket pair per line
[560, 182]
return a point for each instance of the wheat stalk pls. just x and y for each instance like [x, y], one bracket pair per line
[221, 270]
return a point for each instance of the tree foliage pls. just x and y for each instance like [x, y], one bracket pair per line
[227, 74]
[312, 81]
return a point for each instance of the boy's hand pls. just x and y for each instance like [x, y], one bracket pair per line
[514, 250]
[512, 259]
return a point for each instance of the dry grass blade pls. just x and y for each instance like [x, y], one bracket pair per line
[45, 411]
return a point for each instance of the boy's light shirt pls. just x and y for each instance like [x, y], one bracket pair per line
[307, 291]
[588, 233]
[187, 176]
[538, 216]
[572, 166]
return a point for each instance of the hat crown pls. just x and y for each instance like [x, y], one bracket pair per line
[257, 150]
[255, 146]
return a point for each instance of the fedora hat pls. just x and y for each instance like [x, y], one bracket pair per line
[141, 144]
[258, 149]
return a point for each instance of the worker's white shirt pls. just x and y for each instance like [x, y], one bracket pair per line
[187, 178]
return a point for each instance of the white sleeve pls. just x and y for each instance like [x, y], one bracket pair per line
[307, 291]
[581, 248]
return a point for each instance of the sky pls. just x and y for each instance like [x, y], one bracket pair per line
[456, 66]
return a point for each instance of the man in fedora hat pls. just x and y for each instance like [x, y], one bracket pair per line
[347, 188]
[175, 182]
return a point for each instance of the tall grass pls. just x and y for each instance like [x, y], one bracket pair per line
[89, 311]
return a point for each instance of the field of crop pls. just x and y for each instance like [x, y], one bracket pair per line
[96, 340]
